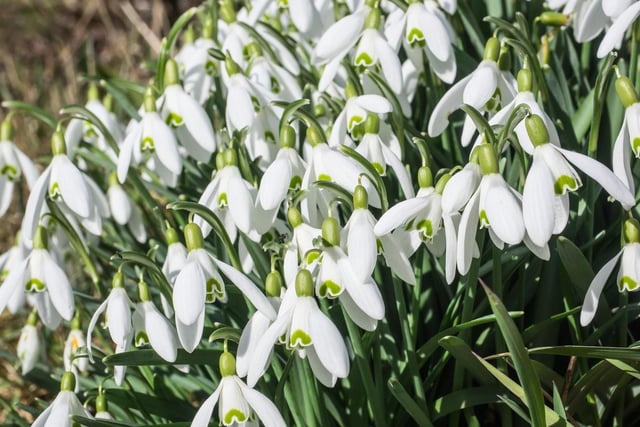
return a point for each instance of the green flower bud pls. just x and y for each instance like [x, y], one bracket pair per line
[319, 110]
[171, 75]
[525, 80]
[41, 238]
[273, 284]
[492, 49]
[631, 231]
[118, 280]
[554, 19]
[372, 123]
[537, 130]
[360, 198]
[58, 145]
[287, 137]
[227, 364]
[425, 177]
[101, 403]
[331, 231]
[373, 19]
[171, 236]
[68, 382]
[6, 130]
[487, 159]
[626, 91]
[193, 236]
[304, 283]
[149, 100]
[294, 217]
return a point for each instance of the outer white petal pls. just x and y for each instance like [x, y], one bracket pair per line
[275, 183]
[614, 35]
[328, 343]
[248, 288]
[195, 120]
[261, 405]
[189, 335]
[481, 86]
[450, 231]
[118, 316]
[302, 14]
[262, 352]
[206, 409]
[12, 283]
[602, 175]
[460, 188]
[119, 204]
[374, 103]
[561, 212]
[251, 334]
[338, 39]
[592, 296]
[322, 374]
[391, 68]
[72, 184]
[35, 204]
[589, 21]
[399, 214]
[538, 203]
[165, 143]
[189, 293]
[541, 252]
[162, 336]
[503, 210]
[362, 248]
[400, 171]
[451, 101]
[240, 201]
[59, 288]
[126, 151]
[435, 35]
[467, 234]
[397, 258]
[240, 112]
[621, 158]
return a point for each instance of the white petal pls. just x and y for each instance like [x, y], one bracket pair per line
[261, 405]
[481, 86]
[621, 158]
[362, 249]
[119, 204]
[399, 170]
[538, 202]
[72, 185]
[126, 152]
[399, 214]
[503, 211]
[275, 183]
[614, 35]
[165, 143]
[189, 335]
[449, 222]
[391, 68]
[206, 409]
[240, 112]
[92, 325]
[592, 296]
[196, 122]
[328, 343]
[374, 103]
[12, 283]
[338, 39]
[263, 349]
[251, 334]
[59, 288]
[451, 101]
[240, 201]
[119, 316]
[460, 188]
[322, 374]
[561, 212]
[162, 336]
[467, 234]
[189, 293]
[34, 206]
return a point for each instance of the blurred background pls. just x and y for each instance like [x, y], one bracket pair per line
[46, 48]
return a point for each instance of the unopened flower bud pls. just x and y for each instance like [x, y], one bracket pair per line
[492, 49]
[537, 130]
[626, 91]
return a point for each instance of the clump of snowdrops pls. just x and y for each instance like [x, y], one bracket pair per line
[341, 213]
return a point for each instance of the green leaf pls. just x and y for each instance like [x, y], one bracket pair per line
[558, 406]
[82, 113]
[408, 403]
[289, 109]
[373, 174]
[32, 110]
[467, 398]
[121, 99]
[524, 368]
[95, 422]
[151, 267]
[148, 357]
[618, 353]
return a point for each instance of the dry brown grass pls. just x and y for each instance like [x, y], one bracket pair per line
[46, 46]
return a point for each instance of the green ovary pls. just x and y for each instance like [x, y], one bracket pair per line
[34, 285]
[214, 290]
[627, 283]
[237, 414]
[564, 183]
[329, 289]
[300, 338]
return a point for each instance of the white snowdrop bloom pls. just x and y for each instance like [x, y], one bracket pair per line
[423, 27]
[63, 407]
[196, 66]
[300, 250]
[151, 327]
[40, 276]
[284, 175]
[623, 13]
[354, 113]
[81, 130]
[124, 211]
[229, 196]
[238, 404]
[151, 141]
[258, 324]
[74, 347]
[485, 89]
[65, 184]
[628, 275]
[628, 139]
[13, 165]
[29, 344]
[182, 112]
[172, 265]
[277, 81]
[308, 331]
[9, 261]
[495, 205]
[199, 282]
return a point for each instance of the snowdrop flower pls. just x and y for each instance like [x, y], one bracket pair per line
[300, 250]
[239, 404]
[424, 28]
[153, 142]
[72, 356]
[284, 175]
[76, 193]
[9, 261]
[173, 264]
[199, 282]
[117, 309]
[40, 276]
[628, 277]
[13, 165]
[29, 345]
[63, 407]
[196, 66]
[586, 16]
[182, 112]
[629, 135]
[258, 324]
[486, 88]
[308, 331]
[623, 13]
[495, 205]
[78, 129]
[279, 82]
[151, 327]
[228, 195]
[124, 211]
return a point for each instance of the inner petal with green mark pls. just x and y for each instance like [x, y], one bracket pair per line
[378, 167]
[324, 177]
[275, 85]
[493, 104]
[627, 283]
[214, 290]
[635, 145]
[565, 183]
[54, 191]
[234, 415]
[147, 145]
[329, 289]
[416, 38]
[10, 171]
[34, 285]
[174, 119]
[364, 60]
[295, 183]
[299, 338]
[425, 227]
[484, 220]
[354, 121]
[210, 68]
[222, 201]
[256, 104]
[270, 137]
[311, 256]
[89, 131]
[142, 339]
